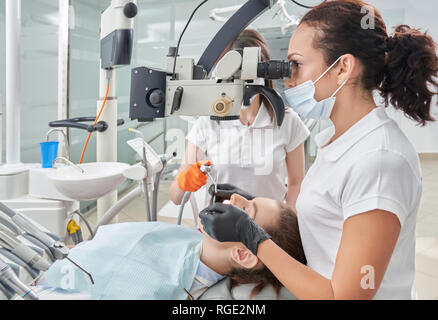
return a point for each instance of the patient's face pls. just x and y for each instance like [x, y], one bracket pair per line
[264, 211]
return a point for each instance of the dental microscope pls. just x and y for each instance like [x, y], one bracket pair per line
[186, 88]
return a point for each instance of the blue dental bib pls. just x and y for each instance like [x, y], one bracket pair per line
[136, 261]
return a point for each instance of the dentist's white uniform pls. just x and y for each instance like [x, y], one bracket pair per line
[253, 157]
[371, 166]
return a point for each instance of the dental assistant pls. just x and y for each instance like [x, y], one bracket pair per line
[251, 153]
[358, 203]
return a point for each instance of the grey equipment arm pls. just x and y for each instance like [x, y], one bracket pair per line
[57, 248]
[9, 278]
[250, 11]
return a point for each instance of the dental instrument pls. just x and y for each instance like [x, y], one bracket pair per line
[75, 231]
[150, 168]
[145, 186]
[9, 278]
[39, 244]
[82, 269]
[5, 222]
[56, 247]
[87, 224]
[154, 168]
[207, 170]
[33, 273]
[8, 292]
[29, 256]
[145, 182]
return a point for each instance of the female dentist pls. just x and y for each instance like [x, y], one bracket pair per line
[250, 153]
[358, 203]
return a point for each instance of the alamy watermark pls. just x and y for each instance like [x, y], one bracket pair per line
[255, 149]
[367, 282]
[369, 19]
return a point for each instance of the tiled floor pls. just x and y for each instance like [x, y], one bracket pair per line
[426, 276]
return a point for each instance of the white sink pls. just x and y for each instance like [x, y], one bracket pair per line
[97, 180]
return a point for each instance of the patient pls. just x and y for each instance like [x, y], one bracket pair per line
[156, 260]
[282, 227]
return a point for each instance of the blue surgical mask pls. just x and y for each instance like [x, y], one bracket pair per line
[302, 99]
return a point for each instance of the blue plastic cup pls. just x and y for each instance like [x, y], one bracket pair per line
[49, 152]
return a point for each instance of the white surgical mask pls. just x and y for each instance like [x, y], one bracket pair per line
[302, 99]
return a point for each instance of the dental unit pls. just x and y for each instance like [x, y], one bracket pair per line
[8, 277]
[154, 94]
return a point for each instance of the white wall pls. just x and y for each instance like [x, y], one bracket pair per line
[418, 14]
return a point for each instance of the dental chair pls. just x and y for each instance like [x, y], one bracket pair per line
[223, 291]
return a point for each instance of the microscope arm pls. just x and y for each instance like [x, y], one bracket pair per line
[250, 11]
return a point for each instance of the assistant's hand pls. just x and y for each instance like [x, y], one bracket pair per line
[225, 191]
[229, 223]
[192, 179]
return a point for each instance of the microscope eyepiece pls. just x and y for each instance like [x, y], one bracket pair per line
[274, 69]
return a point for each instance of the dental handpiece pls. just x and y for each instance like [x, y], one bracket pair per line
[19, 249]
[57, 248]
[207, 170]
[9, 278]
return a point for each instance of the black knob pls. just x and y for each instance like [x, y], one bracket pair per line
[130, 10]
[172, 52]
[156, 98]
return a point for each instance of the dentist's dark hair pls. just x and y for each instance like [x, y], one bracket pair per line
[403, 67]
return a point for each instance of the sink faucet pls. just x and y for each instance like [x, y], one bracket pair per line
[68, 162]
[67, 144]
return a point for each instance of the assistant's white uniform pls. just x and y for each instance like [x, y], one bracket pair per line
[253, 157]
[371, 166]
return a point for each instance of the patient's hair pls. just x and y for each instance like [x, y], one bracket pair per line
[287, 236]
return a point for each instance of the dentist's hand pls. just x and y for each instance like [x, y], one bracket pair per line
[228, 223]
[225, 191]
[192, 179]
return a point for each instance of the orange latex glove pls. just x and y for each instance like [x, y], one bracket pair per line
[192, 179]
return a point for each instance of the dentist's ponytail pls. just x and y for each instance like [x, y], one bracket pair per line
[411, 69]
[403, 67]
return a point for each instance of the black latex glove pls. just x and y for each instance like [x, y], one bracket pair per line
[225, 191]
[228, 223]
